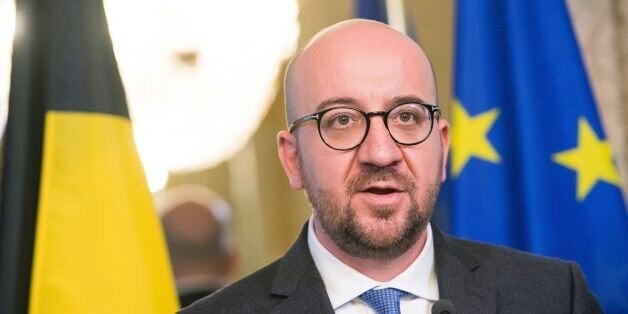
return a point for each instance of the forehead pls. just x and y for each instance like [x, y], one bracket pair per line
[373, 68]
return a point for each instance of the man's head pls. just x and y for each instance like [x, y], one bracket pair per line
[374, 200]
[196, 222]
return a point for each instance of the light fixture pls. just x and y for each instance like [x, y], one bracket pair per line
[199, 75]
[7, 31]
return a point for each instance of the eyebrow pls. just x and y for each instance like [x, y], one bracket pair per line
[353, 102]
[336, 101]
[406, 99]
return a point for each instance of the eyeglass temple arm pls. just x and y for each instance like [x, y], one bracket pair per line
[297, 122]
[436, 111]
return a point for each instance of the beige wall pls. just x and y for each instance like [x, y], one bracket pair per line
[267, 213]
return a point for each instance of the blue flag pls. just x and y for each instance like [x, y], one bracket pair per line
[371, 10]
[530, 165]
[389, 12]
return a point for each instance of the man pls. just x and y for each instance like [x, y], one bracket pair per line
[195, 222]
[367, 144]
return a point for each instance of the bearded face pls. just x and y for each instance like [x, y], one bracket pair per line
[391, 232]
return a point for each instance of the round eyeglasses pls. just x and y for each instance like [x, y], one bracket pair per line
[345, 128]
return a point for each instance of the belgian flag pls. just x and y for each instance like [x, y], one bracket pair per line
[79, 231]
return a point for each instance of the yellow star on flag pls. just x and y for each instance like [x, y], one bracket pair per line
[591, 160]
[469, 137]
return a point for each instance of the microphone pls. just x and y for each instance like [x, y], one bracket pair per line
[443, 306]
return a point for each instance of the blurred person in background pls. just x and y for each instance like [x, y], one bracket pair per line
[196, 226]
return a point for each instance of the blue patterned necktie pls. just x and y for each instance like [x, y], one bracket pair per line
[384, 301]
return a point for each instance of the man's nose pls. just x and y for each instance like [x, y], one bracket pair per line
[379, 148]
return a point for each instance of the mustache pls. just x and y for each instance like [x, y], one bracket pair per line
[373, 174]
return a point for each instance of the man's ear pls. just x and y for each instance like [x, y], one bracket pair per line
[287, 150]
[443, 127]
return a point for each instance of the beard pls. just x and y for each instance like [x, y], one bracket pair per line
[389, 237]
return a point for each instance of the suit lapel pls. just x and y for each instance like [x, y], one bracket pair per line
[298, 281]
[458, 277]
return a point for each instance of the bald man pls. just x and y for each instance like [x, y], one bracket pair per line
[367, 143]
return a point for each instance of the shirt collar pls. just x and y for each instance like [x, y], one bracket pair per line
[344, 283]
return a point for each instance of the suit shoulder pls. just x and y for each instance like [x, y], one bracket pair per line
[500, 256]
[525, 280]
[250, 294]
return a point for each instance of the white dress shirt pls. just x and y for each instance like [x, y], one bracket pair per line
[345, 284]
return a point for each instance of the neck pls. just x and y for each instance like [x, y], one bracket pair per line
[375, 269]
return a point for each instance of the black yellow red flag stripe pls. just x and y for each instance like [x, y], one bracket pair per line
[79, 230]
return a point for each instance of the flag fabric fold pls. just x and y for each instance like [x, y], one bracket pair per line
[98, 246]
[372, 10]
[530, 167]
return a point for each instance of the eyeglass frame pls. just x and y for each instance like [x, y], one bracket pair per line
[433, 109]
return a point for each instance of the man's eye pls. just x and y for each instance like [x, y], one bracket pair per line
[407, 117]
[340, 120]
[343, 119]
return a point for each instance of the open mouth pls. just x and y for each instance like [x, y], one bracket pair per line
[382, 194]
[381, 191]
[382, 188]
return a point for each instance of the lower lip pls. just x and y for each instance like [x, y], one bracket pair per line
[389, 199]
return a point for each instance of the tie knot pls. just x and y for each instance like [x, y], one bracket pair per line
[384, 301]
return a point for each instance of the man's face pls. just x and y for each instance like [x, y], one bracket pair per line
[375, 200]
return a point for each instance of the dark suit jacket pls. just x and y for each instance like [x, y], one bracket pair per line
[476, 278]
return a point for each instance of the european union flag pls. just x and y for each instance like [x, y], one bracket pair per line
[530, 166]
